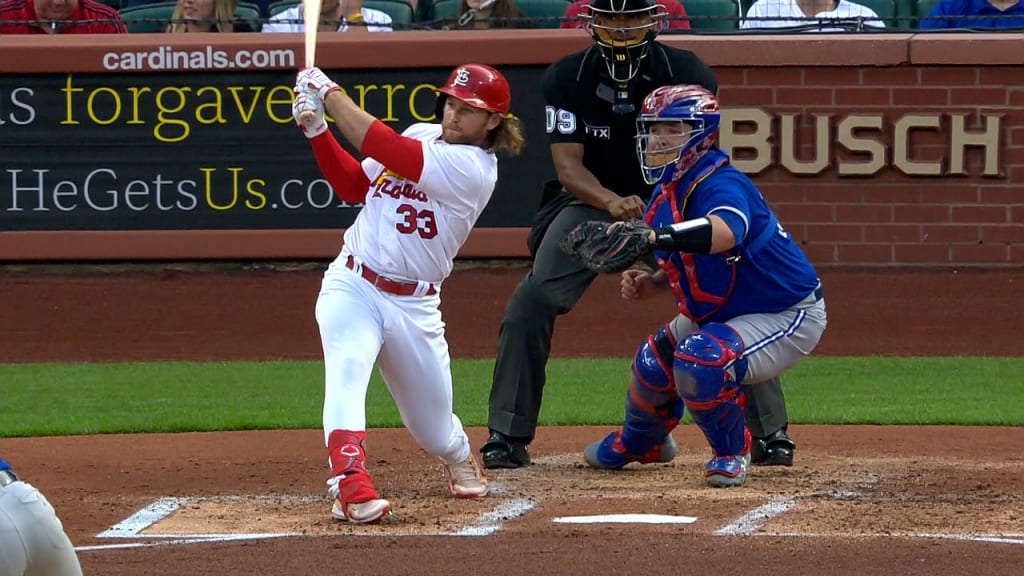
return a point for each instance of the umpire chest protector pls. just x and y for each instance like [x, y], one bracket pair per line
[585, 106]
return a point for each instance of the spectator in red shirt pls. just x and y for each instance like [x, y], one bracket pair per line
[59, 17]
[676, 16]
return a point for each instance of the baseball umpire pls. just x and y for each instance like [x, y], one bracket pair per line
[592, 98]
[749, 302]
[32, 538]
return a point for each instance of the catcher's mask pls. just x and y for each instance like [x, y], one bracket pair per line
[623, 30]
[676, 126]
[479, 86]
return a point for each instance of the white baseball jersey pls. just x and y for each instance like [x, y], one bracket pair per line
[413, 230]
[789, 9]
[408, 232]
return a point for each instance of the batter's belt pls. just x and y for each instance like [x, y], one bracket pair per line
[385, 284]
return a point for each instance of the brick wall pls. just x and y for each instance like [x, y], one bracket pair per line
[891, 217]
[969, 214]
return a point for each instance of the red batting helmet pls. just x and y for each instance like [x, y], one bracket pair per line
[480, 86]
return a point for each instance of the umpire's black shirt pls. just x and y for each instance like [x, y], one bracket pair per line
[579, 95]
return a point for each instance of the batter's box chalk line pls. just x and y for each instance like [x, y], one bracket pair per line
[752, 523]
[133, 527]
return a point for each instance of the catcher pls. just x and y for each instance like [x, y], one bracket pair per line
[750, 303]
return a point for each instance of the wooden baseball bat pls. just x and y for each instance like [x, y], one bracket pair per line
[310, 24]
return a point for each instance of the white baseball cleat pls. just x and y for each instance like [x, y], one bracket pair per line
[467, 479]
[362, 512]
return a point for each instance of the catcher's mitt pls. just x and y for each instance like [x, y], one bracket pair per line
[608, 246]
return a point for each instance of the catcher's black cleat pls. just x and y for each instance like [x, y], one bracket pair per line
[776, 449]
[501, 451]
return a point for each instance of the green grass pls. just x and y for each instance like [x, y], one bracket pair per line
[52, 399]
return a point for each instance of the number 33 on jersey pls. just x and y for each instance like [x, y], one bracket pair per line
[414, 229]
[411, 220]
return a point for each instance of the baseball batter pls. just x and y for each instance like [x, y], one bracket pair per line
[32, 538]
[379, 300]
[750, 303]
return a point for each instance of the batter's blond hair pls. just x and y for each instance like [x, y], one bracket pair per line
[507, 138]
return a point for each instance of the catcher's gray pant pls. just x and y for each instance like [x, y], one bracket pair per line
[32, 539]
[772, 342]
[553, 286]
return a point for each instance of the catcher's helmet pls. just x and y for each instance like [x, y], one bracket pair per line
[478, 85]
[676, 126]
[623, 30]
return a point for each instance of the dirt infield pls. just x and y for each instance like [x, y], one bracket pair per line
[860, 500]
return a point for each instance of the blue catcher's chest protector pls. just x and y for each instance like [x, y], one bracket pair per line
[765, 272]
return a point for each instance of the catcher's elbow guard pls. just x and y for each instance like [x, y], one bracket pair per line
[692, 236]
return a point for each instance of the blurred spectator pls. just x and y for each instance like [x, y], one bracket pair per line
[59, 17]
[676, 18]
[491, 14]
[331, 11]
[263, 5]
[986, 14]
[810, 15]
[206, 16]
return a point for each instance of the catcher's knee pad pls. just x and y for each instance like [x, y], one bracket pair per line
[708, 363]
[653, 408]
[706, 360]
[653, 381]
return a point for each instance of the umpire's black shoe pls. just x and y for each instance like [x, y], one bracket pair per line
[773, 450]
[501, 451]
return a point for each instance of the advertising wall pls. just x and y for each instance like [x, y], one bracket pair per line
[874, 149]
[210, 150]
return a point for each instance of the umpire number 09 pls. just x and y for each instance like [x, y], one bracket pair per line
[558, 119]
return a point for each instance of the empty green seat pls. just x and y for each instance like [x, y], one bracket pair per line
[402, 13]
[886, 10]
[712, 14]
[156, 17]
[251, 14]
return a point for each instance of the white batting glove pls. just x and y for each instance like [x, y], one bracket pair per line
[308, 111]
[315, 80]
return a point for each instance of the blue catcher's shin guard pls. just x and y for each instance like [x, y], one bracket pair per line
[702, 365]
[653, 410]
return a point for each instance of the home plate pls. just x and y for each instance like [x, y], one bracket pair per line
[625, 519]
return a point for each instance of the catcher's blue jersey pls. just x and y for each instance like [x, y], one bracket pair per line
[765, 272]
[4, 465]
